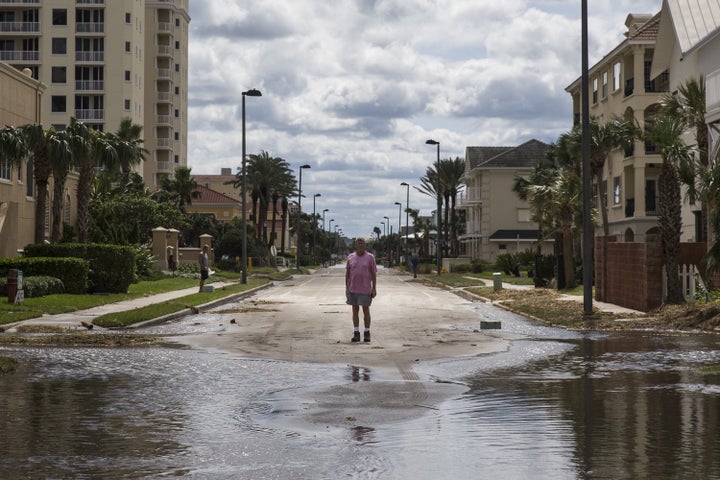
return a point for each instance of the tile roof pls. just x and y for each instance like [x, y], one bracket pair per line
[208, 195]
[525, 155]
[649, 31]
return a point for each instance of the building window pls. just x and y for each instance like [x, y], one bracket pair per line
[604, 192]
[177, 22]
[523, 215]
[58, 103]
[59, 46]
[604, 84]
[59, 16]
[59, 74]
[5, 170]
[177, 113]
[177, 137]
[177, 45]
[616, 191]
[177, 67]
[128, 47]
[177, 158]
[595, 91]
[616, 77]
[127, 104]
[177, 90]
[127, 75]
[502, 246]
[128, 17]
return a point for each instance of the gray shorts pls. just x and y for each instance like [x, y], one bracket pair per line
[361, 299]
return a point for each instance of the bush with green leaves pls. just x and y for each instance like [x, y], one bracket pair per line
[144, 260]
[73, 272]
[508, 263]
[112, 267]
[38, 286]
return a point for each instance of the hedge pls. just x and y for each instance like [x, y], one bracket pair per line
[112, 267]
[38, 286]
[72, 271]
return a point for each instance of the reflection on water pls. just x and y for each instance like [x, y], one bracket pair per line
[557, 405]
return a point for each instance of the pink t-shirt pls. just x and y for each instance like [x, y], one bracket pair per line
[360, 272]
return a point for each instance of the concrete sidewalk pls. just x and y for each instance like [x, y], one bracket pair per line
[73, 320]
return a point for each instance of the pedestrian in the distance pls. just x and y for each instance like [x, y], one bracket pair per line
[360, 286]
[415, 261]
[204, 262]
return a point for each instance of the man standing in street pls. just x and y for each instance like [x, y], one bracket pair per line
[204, 262]
[360, 287]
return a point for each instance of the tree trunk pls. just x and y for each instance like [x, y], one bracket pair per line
[283, 229]
[568, 259]
[41, 174]
[670, 204]
[85, 180]
[274, 217]
[57, 205]
[603, 207]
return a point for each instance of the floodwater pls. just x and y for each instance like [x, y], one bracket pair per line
[557, 405]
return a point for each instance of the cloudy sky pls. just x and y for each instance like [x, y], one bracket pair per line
[355, 87]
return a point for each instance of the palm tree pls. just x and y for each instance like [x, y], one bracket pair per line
[182, 186]
[688, 106]
[666, 132]
[604, 138]
[13, 148]
[451, 174]
[554, 193]
[62, 162]
[267, 175]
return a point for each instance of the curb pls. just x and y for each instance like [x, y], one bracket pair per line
[191, 311]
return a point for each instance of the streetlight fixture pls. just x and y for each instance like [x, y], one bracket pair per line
[438, 189]
[399, 228]
[407, 213]
[314, 224]
[588, 237]
[297, 223]
[250, 93]
[326, 210]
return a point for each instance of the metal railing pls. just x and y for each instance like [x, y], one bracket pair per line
[90, 27]
[89, 56]
[19, 55]
[20, 27]
[84, 85]
[90, 114]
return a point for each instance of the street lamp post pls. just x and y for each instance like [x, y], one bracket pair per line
[326, 210]
[407, 213]
[314, 224]
[399, 228]
[250, 93]
[387, 241]
[438, 191]
[297, 223]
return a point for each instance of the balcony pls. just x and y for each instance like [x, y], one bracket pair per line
[89, 85]
[19, 56]
[164, 119]
[19, 2]
[91, 2]
[165, 27]
[164, 73]
[164, 167]
[20, 27]
[629, 86]
[163, 97]
[90, 114]
[90, 27]
[90, 57]
[163, 142]
[164, 51]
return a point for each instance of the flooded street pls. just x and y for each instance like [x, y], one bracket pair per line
[555, 405]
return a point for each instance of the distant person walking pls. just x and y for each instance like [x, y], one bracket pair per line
[360, 287]
[415, 261]
[204, 262]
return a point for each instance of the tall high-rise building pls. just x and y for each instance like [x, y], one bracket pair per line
[106, 60]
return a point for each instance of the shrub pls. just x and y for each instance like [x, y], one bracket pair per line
[143, 261]
[38, 286]
[508, 263]
[112, 267]
[462, 268]
[73, 272]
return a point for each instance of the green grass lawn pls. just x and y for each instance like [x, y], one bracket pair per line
[130, 317]
[62, 303]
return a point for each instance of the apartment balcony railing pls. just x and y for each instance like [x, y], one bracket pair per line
[90, 114]
[164, 167]
[90, 2]
[19, 2]
[163, 96]
[20, 27]
[89, 56]
[90, 27]
[165, 50]
[164, 119]
[19, 56]
[85, 85]
[629, 86]
[164, 73]
[165, 26]
[163, 142]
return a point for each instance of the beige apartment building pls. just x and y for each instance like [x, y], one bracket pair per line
[105, 60]
[623, 85]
